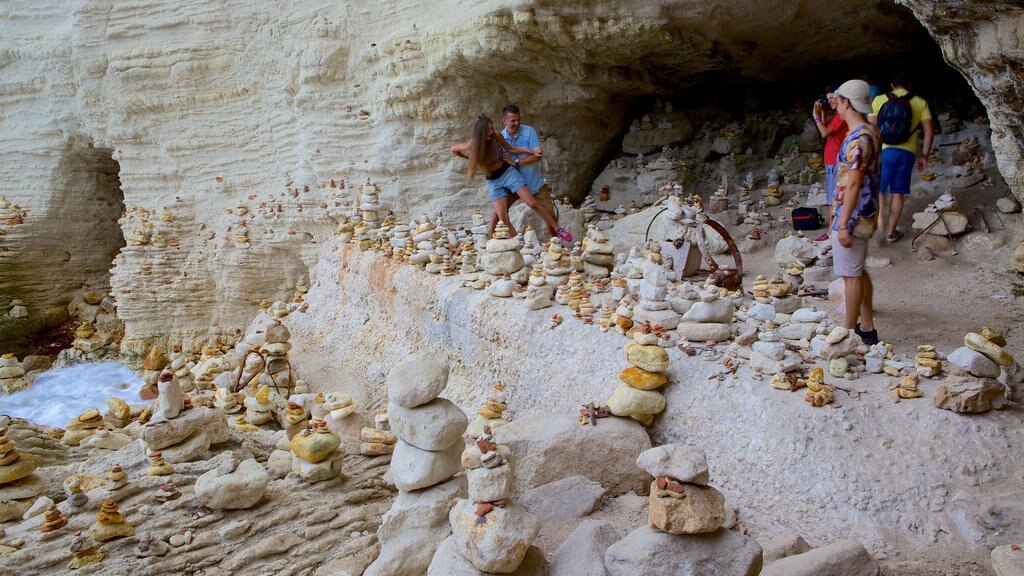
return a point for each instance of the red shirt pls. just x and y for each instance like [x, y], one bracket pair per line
[834, 140]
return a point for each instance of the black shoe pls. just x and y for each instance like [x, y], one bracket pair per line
[870, 337]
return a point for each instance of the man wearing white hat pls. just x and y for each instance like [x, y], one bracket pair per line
[856, 207]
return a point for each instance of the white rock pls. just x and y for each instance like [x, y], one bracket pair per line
[719, 311]
[974, 362]
[795, 248]
[844, 558]
[703, 332]
[170, 402]
[490, 484]
[449, 562]
[435, 425]
[37, 507]
[1008, 560]
[583, 551]
[236, 489]
[761, 311]
[809, 315]
[565, 500]
[414, 527]
[161, 434]
[782, 546]
[500, 543]
[684, 463]
[649, 553]
[772, 350]
[413, 468]
[417, 380]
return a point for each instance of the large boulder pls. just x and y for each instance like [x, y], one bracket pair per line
[229, 487]
[650, 553]
[969, 395]
[413, 468]
[844, 558]
[160, 435]
[583, 551]
[498, 542]
[548, 447]
[413, 529]
[563, 500]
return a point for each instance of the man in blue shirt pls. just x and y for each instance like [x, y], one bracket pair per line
[523, 136]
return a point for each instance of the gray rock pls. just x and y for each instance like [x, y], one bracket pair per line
[549, 447]
[719, 311]
[794, 248]
[974, 362]
[414, 527]
[684, 463]
[235, 489]
[1007, 561]
[160, 435]
[783, 546]
[1012, 377]
[649, 553]
[798, 331]
[772, 350]
[1008, 205]
[844, 558]
[703, 332]
[37, 507]
[790, 361]
[955, 222]
[191, 449]
[787, 304]
[413, 468]
[435, 425]
[417, 380]
[761, 311]
[583, 551]
[448, 562]
[563, 500]
[28, 487]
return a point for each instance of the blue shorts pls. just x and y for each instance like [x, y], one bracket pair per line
[897, 167]
[506, 185]
[831, 175]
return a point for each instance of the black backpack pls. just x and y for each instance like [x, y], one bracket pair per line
[896, 119]
[807, 219]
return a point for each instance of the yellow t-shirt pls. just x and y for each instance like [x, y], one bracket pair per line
[919, 111]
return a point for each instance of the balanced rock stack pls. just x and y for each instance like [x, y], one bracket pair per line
[686, 521]
[178, 431]
[12, 375]
[18, 485]
[556, 263]
[653, 306]
[708, 320]
[278, 372]
[490, 414]
[769, 354]
[502, 255]
[86, 339]
[974, 390]
[317, 454]
[110, 524]
[927, 362]
[490, 532]
[803, 324]
[259, 409]
[427, 456]
[179, 365]
[538, 292]
[637, 397]
[598, 254]
[84, 425]
[378, 440]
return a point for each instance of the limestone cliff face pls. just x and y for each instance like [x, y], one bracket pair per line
[202, 106]
[985, 42]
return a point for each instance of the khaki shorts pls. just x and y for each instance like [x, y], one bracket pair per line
[848, 262]
[543, 198]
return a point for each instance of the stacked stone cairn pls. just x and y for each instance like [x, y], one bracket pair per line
[598, 254]
[378, 440]
[82, 427]
[770, 355]
[491, 414]
[425, 459]
[424, 242]
[927, 362]
[538, 292]
[278, 373]
[638, 397]
[369, 204]
[110, 524]
[654, 307]
[178, 431]
[317, 454]
[12, 375]
[686, 523]
[803, 324]
[532, 250]
[556, 263]
[835, 347]
[182, 369]
[19, 487]
[491, 534]
[708, 320]
[972, 388]
[502, 255]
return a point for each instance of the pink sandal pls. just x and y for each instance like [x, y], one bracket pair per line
[564, 235]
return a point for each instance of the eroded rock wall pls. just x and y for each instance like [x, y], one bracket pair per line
[208, 105]
[985, 42]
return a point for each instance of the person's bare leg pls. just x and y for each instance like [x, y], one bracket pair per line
[883, 211]
[501, 210]
[494, 222]
[867, 311]
[854, 289]
[527, 198]
[895, 211]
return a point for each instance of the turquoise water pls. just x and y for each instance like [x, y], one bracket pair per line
[59, 395]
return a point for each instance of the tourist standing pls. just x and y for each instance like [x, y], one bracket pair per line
[898, 115]
[833, 131]
[856, 206]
